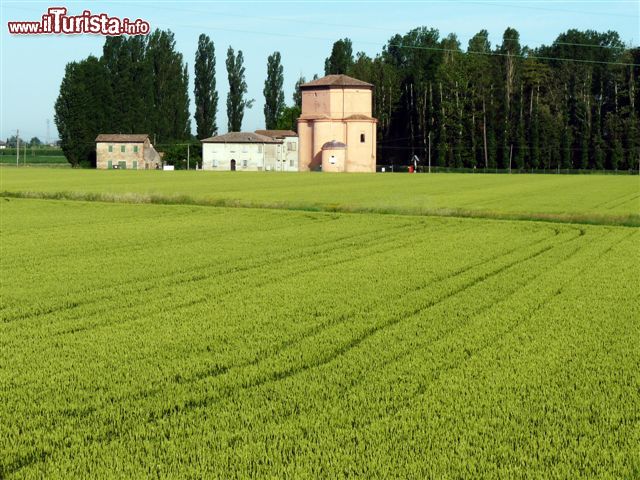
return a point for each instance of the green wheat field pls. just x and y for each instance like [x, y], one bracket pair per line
[206, 325]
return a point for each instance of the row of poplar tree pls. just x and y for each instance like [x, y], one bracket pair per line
[141, 84]
[570, 105]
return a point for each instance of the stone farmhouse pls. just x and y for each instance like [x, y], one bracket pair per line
[337, 132]
[276, 150]
[132, 151]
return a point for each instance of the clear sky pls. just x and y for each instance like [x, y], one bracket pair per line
[31, 67]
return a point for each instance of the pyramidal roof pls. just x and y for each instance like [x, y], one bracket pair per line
[336, 81]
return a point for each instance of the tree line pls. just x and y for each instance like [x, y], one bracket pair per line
[570, 105]
[12, 142]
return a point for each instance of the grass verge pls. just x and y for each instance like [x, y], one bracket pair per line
[628, 220]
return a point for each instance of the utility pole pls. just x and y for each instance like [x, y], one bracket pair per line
[18, 148]
[47, 131]
[429, 152]
[188, 146]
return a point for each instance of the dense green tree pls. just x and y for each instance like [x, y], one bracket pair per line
[183, 155]
[183, 120]
[141, 107]
[288, 119]
[414, 94]
[273, 92]
[510, 59]
[479, 88]
[79, 113]
[542, 108]
[341, 57]
[205, 93]
[297, 93]
[139, 85]
[451, 79]
[236, 101]
[170, 110]
[131, 82]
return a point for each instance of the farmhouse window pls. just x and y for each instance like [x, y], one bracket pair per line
[135, 149]
[259, 148]
[291, 146]
[291, 162]
[362, 138]
[110, 148]
[122, 148]
[244, 164]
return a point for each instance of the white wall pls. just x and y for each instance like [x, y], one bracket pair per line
[290, 154]
[218, 156]
[251, 156]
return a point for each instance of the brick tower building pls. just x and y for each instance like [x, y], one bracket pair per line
[336, 130]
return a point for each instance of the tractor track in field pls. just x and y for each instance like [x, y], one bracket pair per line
[53, 424]
[194, 278]
[482, 309]
[487, 342]
[228, 270]
[317, 329]
[113, 432]
[490, 340]
[353, 343]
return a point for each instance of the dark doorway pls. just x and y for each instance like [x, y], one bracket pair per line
[233, 165]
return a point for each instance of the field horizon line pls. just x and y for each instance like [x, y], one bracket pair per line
[628, 220]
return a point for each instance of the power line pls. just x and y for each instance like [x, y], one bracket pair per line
[421, 47]
[534, 57]
[555, 42]
[529, 7]
[285, 19]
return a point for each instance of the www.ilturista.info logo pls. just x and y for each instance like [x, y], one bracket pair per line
[56, 21]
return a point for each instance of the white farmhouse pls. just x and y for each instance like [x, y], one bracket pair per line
[247, 151]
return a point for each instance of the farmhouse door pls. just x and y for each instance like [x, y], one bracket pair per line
[233, 165]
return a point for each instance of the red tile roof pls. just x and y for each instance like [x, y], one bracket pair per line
[277, 133]
[336, 81]
[122, 137]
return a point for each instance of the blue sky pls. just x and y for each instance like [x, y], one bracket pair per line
[31, 67]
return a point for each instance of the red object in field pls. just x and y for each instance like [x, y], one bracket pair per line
[410, 168]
